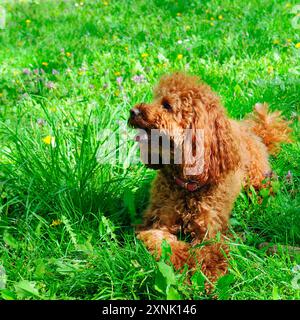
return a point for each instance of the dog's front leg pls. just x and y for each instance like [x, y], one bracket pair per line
[212, 259]
[153, 239]
[209, 254]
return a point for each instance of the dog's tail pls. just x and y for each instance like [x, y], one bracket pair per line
[270, 126]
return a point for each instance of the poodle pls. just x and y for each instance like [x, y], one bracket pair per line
[198, 205]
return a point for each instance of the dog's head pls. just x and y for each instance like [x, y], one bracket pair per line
[182, 107]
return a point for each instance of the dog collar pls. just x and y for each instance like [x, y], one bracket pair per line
[189, 185]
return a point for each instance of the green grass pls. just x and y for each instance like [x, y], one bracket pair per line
[66, 220]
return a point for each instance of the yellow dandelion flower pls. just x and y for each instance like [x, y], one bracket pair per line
[212, 18]
[117, 93]
[28, 21]
[179, 57]
[145, 55]
[117, 73]
[48, 140]
[68, 54]
[276, 41]
[212, 24]
[178, 14]
[289, 40]
[270, 69]
[45, 64]
[297, 45]
[220, 17]
[126, 48]
[55, 223]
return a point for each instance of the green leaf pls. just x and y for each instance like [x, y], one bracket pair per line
[166, 251]
[167, 272]
[173, 294]
[264, 192]
[275, 186]
[106, 229]
[237, 89]
[7, 294]
[87, 246]
[40, 269]
[252, 195]
[198, 281]
[223, 286]
[225, 281]
[38, 229]
[10, 240]
[160, 284]
[275, 293]
[26, 289]
[66, 268]
[234, 222]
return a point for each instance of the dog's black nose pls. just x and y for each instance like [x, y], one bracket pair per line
[134, 112]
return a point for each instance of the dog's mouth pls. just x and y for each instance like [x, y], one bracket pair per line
[143, 129]
[143, 138]
[149, 143]
[139, 123]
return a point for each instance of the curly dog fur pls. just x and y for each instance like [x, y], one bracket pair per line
[235, 154]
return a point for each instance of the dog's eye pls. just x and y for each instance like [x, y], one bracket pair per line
[166, 105]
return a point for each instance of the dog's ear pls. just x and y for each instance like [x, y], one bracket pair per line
[222, 154]
[214, 147]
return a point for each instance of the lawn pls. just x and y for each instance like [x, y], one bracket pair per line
[71, 69]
